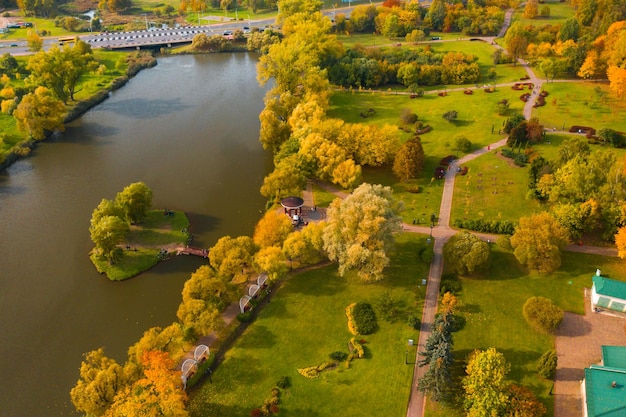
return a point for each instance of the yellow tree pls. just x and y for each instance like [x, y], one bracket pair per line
[617, 80]
[157, 394]
[360, 230]
[306, 246]
[101, 378]
[620, 242]
[38, 113]
[272, 229]
[230, 255]
[272, 261]
[538, 241]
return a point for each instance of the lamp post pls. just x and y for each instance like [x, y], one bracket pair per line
[431, 229]
[406, 357]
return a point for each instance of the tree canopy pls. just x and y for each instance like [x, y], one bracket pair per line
[465, 254]
[360, 230]
[538, 241]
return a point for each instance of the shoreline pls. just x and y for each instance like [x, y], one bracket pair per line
[79, 109]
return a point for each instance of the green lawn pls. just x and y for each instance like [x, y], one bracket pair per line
[322, 197]
[493, 189]
[582, 103]
[477, 116]
[302, 325]
[559, 13]
[492, 307]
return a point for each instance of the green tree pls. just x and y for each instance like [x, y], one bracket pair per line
[538, 241]
[8, 64]
[409, 161]
[484, 385]
[306, 246]
[545, 11]
[100, 380]
[546, 366]
[437, 355]
[39, 113]
[450, 115]
[361, 229]
[462, 144]
[465, 254]
[105, 208]
[106, 234]
[437, 13]
[134, 201]
[415, 36]
[60, 70]
[569, 30]
[542, 314]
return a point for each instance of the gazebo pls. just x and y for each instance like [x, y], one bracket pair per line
[292, 205]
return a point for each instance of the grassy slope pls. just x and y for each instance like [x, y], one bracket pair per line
[559, 13]
[303, 324]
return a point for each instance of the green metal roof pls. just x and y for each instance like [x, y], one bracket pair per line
[614, 356]
[604, 400]
[610, 287]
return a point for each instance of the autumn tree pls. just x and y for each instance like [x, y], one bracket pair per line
[465, 254]
[516, 46]
[204, 296]
[170, 339]
[134, 201]
[409, 161]
[106, 234]
[39, 113]
[360, 230]
[157, 393]
[522, 403]
[531, 9]
[272, 229]
[229, 256]
[306, 246]
[101, 378]
[484, 385]
[620, 242]
[538, 241]
[34, 41]
[272, 261]
[451, 115]
[542, 314]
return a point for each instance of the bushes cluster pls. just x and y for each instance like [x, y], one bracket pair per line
[283, 382]
[498, 227]
[338, 356]
[450, 283]
[314, 371]
[357, 348]
[546, 367]
[542, 314]
[270, 405]
[414, 321]
[520, 159]
[351, 323]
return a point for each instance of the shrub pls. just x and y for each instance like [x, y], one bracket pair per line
[546, 367]
[386, 306]
[414, 321]
[364, 318]
[450, 283]
[351, 323]
[504, 242]
[427, 254]
[408, 117]
[357, 348]
[542, 314]
[256, 413]
[338, 356]
[283, 382]
[245, 317]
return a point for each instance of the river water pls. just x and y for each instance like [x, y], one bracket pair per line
[189, 129]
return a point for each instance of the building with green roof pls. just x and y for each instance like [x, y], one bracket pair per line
[608, 293]
[604, 387]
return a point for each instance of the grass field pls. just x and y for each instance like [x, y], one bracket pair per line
[493, 189]
[477, 116]
[586, 104]
[559, 13]
[492, 307]
[302, 325]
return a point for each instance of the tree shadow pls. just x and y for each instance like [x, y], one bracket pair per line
[259, 336]
[569, 374]
[87, 133]
[573, 325]
[462, 123]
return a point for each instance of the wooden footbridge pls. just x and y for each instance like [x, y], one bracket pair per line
[188, 250]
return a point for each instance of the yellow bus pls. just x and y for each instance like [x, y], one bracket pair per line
[68, 39]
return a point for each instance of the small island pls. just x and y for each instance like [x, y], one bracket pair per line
[131, 238]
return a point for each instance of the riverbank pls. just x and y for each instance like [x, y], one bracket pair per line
[136, 63]
[160, 235]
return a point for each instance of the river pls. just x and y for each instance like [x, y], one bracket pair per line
[188, 128]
